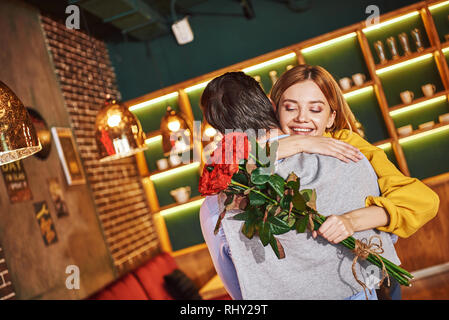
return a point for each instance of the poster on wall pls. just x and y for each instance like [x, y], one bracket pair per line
[45, 222]
[70, 159]
[16, 182]
[57, 197]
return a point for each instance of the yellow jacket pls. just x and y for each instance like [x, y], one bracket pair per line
[408, 201]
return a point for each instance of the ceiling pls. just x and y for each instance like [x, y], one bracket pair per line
[112, 20]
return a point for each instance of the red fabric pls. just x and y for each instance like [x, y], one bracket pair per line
[126, 288]
[151, 276]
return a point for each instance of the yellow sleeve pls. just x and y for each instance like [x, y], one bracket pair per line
[408, 201]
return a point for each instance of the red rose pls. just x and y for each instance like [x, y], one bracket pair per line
[232, 148]
[217, 176]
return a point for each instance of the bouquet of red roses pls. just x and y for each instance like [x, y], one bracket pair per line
[271, 205]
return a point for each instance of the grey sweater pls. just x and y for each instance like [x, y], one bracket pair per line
[312, 268]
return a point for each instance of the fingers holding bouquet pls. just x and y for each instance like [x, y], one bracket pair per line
[335, 229]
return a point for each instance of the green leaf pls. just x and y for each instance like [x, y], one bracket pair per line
[258, 178]
[229, 199]
[264, 232]
[248, 228]
[298, 202]
[256, 199]
[301, 224]
[294, 185]
[242, 216]
[240, 178]
[277, 247]
[285, 201]
[277, 183]
[278, 226]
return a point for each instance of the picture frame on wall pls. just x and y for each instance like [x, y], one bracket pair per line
[70, 160]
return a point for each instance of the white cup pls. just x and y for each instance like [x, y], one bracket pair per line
[405, 130]
[162, 164]
[428, 89]
[426, 125]
[358, 79]
[345, 83]
[181, 195]
[444, 118]
[174, 160]
[407, 96]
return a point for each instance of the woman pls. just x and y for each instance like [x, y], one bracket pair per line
[311, 107]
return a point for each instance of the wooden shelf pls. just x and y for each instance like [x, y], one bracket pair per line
[379, 143]
[418, 131]
[356, 88]
[402, 59]
[174, 205]
[420, 100]
[153, 173]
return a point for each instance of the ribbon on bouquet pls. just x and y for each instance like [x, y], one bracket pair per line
[363, 248]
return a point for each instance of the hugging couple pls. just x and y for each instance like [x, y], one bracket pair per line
[359, 190]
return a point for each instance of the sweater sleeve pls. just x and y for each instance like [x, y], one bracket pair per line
[408, 201]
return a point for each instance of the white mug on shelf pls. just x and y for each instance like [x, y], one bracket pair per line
[181, 195]
[407, 96]
[162, 164]
[174, 160]
[444, 118]
[358, 79]
[428, 89]
[405, 130]
[345, 83]
[426, 125]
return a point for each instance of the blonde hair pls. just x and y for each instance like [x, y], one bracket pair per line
[344, 118]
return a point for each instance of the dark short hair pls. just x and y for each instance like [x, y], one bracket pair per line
[235, 100]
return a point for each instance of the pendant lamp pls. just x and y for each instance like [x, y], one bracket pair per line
[118, 132]
[18, 138]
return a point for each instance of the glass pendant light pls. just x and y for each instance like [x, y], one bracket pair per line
[176, 132]
[118, 132]
[18, 138]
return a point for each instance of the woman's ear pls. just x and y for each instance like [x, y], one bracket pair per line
[331, 119]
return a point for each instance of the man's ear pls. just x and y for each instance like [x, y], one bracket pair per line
[273, 104]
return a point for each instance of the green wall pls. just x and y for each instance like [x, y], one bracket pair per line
[220, 41]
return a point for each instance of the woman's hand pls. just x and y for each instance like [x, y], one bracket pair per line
[335, 229]
[318, 145]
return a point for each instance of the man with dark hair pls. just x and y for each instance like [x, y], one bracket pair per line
[223, 93]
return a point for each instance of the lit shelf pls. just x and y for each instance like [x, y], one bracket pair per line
[269, 62]
[175, 207]
[152, 137]
[328, 43]
[416, 134]
[383, 143]
[391, 21]
[151, 102]
[173, 170]
[355, 90]
[418, 103]
[404, 60]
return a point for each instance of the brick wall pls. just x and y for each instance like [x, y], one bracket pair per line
[6, 287]
[116, 186]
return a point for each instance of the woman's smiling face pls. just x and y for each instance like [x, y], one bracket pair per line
[304, 110]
